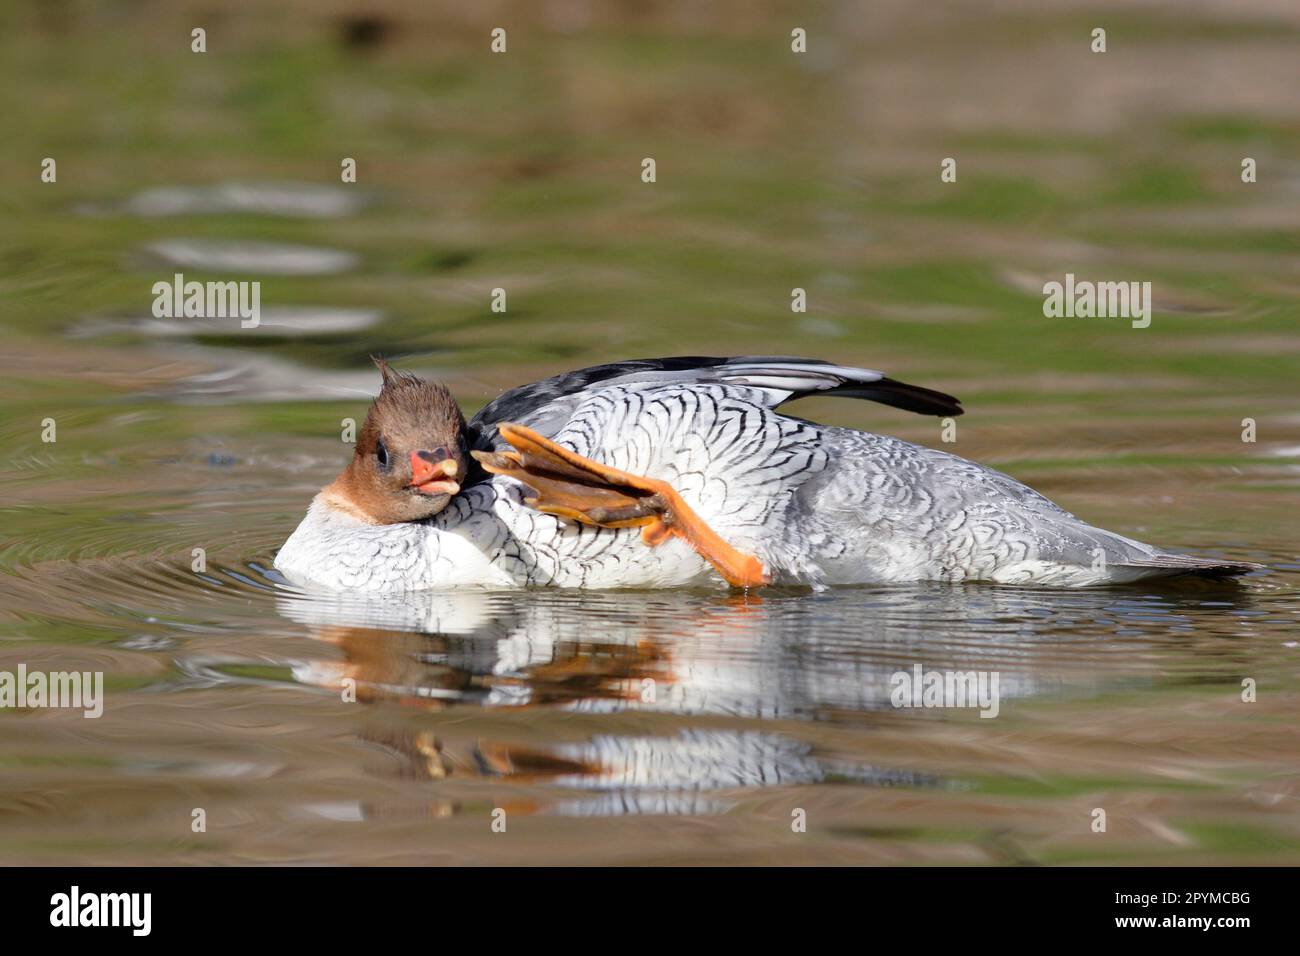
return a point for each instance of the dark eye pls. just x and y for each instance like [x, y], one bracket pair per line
[381, 455]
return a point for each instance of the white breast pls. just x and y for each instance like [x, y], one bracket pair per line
[488, 538]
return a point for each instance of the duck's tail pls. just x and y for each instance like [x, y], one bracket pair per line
[1169, 564]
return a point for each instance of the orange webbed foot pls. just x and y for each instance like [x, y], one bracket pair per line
[571, 486]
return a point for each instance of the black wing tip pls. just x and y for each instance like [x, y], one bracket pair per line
[1225, 569]
[1228, 570]
[884, 390]
[911, 398]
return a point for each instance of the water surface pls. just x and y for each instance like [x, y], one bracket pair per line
[675, 727]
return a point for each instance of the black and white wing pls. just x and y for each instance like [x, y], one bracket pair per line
[547, 405]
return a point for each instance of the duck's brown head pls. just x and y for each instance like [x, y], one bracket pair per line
[410, 455]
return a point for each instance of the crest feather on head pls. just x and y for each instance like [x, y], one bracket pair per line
[408, 405]
[392, 376]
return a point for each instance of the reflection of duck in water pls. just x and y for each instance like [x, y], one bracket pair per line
[693, 453]
[706, 653]
[725, 656]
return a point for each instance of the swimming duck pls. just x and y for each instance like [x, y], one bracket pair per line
[681, 471]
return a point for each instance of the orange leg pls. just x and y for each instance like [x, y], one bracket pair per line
[571, 486]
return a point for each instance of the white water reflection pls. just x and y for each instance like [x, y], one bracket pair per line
[291, 200]
[244, 376]
[280, 322]
[249, 256]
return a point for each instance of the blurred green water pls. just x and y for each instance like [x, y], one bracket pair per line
[774, 171]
